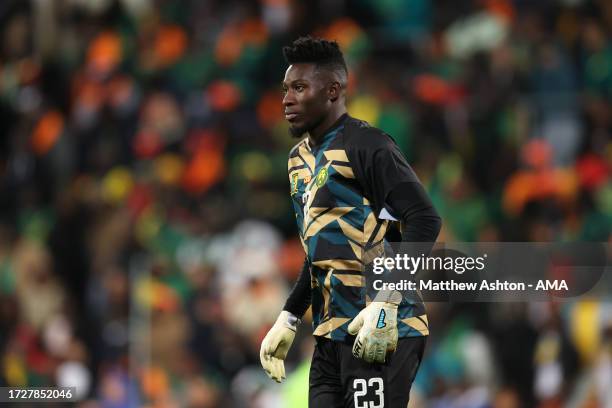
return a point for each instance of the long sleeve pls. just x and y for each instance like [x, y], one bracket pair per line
[395, 193]
[300, 297]
[392, 186]
[409, 203]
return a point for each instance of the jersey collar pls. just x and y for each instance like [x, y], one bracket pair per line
[330, 131]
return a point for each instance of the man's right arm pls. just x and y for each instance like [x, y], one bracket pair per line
[277, 342]
[301, 294]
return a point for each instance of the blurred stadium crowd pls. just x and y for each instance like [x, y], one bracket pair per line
[146, 237]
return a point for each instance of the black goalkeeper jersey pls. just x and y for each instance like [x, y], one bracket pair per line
[338, 189]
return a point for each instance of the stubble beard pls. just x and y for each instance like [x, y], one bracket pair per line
[297, 132]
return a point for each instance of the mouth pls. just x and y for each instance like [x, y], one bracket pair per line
[291, 116]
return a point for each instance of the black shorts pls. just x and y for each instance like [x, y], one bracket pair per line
[339, 380]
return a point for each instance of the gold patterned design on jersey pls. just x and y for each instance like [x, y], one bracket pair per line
[339, 264]
[326, 327]
[351, 232]
[336, 155]
[418, 323]
[349, 279]
[307, 156]
[320, 221]
[344, 171]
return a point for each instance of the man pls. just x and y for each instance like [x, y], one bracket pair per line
[348, 180]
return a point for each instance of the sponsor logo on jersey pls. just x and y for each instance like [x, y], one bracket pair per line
[294, 183]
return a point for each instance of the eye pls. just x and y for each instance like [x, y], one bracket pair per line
[299, 88]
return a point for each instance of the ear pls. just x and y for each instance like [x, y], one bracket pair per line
[333, 91]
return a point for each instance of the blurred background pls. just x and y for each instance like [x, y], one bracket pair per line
[146, 237]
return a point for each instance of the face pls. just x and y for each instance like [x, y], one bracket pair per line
[306, 101]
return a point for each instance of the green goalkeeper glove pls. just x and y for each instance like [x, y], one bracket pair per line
[376, 329]
[276, 344]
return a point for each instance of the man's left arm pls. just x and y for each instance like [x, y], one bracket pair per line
[410, 204]
[395, 193]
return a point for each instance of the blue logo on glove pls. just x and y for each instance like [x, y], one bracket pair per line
[381, 319]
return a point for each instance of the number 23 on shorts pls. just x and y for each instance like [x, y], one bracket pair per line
[361, 386]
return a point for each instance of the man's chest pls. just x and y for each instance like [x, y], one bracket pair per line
[322, 182]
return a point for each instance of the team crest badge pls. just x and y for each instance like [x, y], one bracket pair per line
[321, 177]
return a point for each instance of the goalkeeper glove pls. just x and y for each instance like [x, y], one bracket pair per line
[376, 328]
[276, 344]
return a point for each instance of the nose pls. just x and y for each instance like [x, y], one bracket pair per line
[288, 99]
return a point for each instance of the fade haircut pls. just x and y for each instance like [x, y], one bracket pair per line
[323, 53]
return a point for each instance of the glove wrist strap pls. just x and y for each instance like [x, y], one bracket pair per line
[289, 320]
[389, 296]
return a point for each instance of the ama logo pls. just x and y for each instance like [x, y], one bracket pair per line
[381, 319]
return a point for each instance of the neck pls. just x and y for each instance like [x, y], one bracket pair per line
[316, 135]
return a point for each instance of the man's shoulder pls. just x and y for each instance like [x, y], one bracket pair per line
[361, 134]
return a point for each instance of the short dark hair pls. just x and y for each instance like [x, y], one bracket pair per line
[323, 53]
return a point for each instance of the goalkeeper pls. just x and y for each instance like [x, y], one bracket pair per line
[349, 183]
